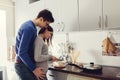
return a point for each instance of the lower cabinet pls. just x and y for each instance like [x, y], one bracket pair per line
[76, 77]
[55, 75]
[50, 75]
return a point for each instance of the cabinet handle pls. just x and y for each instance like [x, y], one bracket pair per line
[58, 25]
[99, 24]
[106, 21]
[63, 26]
[51, 75]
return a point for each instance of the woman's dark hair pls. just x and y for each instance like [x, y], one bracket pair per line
[42, 30]
[46, 14]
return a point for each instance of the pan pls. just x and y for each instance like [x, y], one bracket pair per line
[89, 68]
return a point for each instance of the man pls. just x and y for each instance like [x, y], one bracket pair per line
[25, 65]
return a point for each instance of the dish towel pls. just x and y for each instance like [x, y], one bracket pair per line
[108, 46]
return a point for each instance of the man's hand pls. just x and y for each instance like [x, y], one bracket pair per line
[38, 72]
[54, 58]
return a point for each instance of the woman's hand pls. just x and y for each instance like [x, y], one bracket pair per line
[54, 58]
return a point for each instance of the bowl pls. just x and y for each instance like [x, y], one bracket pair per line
[59, 64]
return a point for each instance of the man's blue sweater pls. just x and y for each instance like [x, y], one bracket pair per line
[24, 44]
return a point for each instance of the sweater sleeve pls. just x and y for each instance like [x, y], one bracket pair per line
[38, 54]
[24, 47]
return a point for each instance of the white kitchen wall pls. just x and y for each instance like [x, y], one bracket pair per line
[89, 43]
[58, 39]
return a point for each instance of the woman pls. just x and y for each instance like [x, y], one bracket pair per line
[43, 40]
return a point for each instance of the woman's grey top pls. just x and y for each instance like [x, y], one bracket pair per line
[41, 55]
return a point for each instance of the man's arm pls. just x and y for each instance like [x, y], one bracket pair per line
[24, 47]
[24, 55]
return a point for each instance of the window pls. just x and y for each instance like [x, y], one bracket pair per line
[3, 39]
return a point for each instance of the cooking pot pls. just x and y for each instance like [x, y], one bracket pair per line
[89, 68]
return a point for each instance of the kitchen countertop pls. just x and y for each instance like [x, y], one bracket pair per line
[108, 72]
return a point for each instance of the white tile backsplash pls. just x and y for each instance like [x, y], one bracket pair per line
[89, 43]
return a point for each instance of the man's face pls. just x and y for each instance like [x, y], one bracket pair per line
[43, 23]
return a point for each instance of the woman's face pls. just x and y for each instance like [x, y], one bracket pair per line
[48, 34]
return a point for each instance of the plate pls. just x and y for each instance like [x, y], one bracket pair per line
[60, 67]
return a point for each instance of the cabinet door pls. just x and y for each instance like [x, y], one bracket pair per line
[66, 16]
[69, 15]
[76, 77]
[55, 75]
[50, 75]
[90, 14]
[111, 14]
[60, 75]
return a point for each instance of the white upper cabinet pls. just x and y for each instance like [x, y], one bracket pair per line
[69, 15]
[90, 14]
[111, 14]
[72, 15]
[99, 14]
[65, 13]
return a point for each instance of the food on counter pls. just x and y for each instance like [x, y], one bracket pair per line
[59, 64]
[74, 56]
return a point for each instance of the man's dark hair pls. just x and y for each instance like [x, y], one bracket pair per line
[46, 14]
